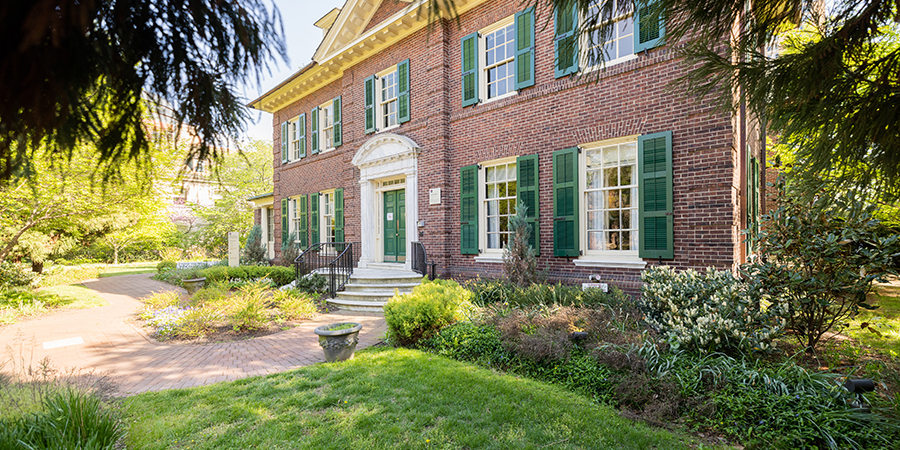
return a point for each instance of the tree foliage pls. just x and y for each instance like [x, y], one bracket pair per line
[76, 72]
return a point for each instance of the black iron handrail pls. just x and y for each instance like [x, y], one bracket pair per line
[335, 259]
[420, 263]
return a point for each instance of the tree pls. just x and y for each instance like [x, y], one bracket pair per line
[59, 200]
[77, 72]
[146, 223]
[239, 177]
[519, 259]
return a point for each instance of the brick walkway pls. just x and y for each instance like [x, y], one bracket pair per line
[107, 340]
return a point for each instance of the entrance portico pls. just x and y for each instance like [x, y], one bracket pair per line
[388, 182]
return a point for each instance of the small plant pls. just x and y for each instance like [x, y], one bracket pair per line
[165, 266]
[248, 308]
[312, 282]
[431, 306]
[341, 326]
[290, 250]
[711, 312]
[162, 300]
[519, 259]
[254, 249]
[295, 305]
[13, 275]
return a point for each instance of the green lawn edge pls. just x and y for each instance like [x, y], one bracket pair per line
[385, 398]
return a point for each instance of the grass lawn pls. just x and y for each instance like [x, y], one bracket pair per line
[76, 296]
[384, 398]
[885, 319]
[128, 269]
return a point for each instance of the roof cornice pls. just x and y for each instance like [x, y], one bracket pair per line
[329, 66]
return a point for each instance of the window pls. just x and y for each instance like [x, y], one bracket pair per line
[325, 126]
[619, 45]
[499, 203]
[497, 58]
[327, 208]
[296, 224]
[612, 201]
[610, 197]
[293, 139]
[270, 224]
[326, 119]
[387, 100]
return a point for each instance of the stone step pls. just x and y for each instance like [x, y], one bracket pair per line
[356, 305]
[355, 285]
[371, 296]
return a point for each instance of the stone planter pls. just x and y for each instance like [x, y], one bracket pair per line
[194, 284]
[339, 345]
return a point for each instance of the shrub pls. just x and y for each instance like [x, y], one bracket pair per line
[237, 273]
[13, 275]
[295, 305]
[170, 253]
[711, 312]
[519, 259]
[254, 249]
[211, 293]
[215, 273]
[488, 292]
[197, 322]
[165, 266]
[248, 308]
[468, 341]
[56, 276]
[68, 418]
[281, 275]
[431, 306]
[312, 282]
[820, 263]
[162, 300]
[15, 303]
[290, 250]
[166, 320]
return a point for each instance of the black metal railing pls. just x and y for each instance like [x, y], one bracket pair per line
[334, 260]
[420, 263]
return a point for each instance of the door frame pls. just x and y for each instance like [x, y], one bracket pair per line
[380, 189]
[383, 158]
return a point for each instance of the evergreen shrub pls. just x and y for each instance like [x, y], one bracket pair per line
[431, 306]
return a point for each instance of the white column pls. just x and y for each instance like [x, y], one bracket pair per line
[367, 221]
[412, 214]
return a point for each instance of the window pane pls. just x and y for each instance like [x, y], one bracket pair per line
[491, 174]
[611, 156]
[593, 157]
[504, 207]
[595, 200]
[626, 176]
[595, 240]
[612, 220]
[626, 198]
[493, 191]
[612, 199]
[493, 224]
[629, 153]
[626, 219]
[504, 222]
[611, 177]
[626, 240]
[593, 179]
[493, 241]
[612, 240]
[511, 189]
[595, 221]
[493, 207]
[501, 173]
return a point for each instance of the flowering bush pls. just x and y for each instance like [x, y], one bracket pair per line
[711, 312]
[167, 321]
[431, 306]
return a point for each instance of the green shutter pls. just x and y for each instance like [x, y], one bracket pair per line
[336, 109]
[649, 25]
[527, 191]
[565, 41]
[469, 51]
[565, 203]
[403, 96]
[284, 221]
[284, 142]
[753, 201]
[468, 210]
[655, 211]
[303, 232]
[339, 215]
[314, 130]
[369, 87]
[301, 132]
[314, 218]
[525, 48]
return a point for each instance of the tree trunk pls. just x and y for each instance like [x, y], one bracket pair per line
[14, 240]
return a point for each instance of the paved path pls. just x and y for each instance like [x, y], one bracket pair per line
[106, 340]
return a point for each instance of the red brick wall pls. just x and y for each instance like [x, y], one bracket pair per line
[387, 9]
[635, 97]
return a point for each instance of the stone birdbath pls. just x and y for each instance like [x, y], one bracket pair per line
[339, 340]
[194, 284]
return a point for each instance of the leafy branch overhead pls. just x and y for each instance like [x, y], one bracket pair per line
[76, 72]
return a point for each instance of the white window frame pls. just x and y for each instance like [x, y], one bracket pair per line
[482, 66]
[293, 140]
[584, 41]
[323, 119]
[492, 255]
[323, 215]
[629, 259]
[379, 101]
[294, 217]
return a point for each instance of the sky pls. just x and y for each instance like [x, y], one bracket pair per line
[302, 38]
